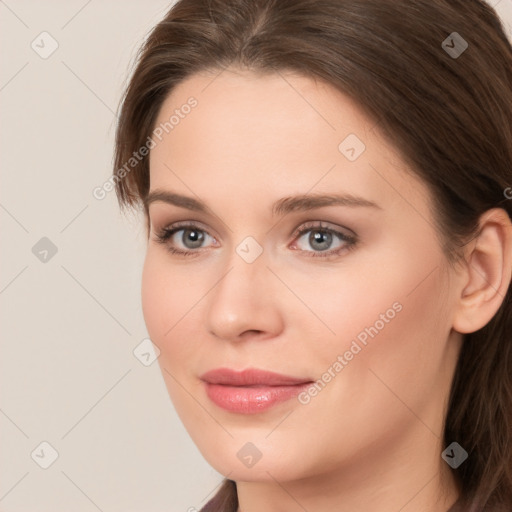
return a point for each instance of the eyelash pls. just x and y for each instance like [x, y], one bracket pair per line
[165, 234]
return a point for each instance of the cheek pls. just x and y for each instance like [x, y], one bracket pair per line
[153, 299]
[386, 295]
[392, 342]
[346, 302]
[171, 296]
[387, 315]
[165, 298]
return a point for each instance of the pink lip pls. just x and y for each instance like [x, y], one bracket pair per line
[250, 391]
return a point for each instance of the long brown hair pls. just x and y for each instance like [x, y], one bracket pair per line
[450, 116]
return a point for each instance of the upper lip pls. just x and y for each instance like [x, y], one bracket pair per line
[250, 377]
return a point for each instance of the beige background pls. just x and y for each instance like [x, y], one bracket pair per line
[70, 324]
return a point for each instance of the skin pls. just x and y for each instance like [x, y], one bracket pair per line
[371, 439]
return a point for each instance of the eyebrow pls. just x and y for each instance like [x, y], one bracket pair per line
[281, 207]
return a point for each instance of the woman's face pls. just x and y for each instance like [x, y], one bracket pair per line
[352, 293]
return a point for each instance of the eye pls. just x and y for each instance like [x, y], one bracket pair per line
[321, 239]
[189, 235]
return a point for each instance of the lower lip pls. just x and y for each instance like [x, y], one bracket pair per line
[251, 400]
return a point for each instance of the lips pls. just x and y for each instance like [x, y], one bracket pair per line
[250, 391]
[250, 377]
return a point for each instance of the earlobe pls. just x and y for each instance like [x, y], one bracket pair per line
[487, 273]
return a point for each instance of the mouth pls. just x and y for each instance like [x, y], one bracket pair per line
[251, 391]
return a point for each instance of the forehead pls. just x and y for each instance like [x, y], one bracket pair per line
[245, 114]
[252, 134]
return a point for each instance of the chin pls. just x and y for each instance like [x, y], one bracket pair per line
[244, 462]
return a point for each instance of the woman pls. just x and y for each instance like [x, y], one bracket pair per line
[326, 189]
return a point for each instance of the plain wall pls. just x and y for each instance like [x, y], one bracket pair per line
[71, 320]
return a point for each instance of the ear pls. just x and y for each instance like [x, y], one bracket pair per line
[487, 272]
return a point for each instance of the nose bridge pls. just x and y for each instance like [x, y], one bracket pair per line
[246, 265]
[242, 299]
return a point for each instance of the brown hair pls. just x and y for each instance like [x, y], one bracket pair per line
[449, 116]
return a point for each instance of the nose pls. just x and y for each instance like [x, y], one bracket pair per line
[244, 304]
